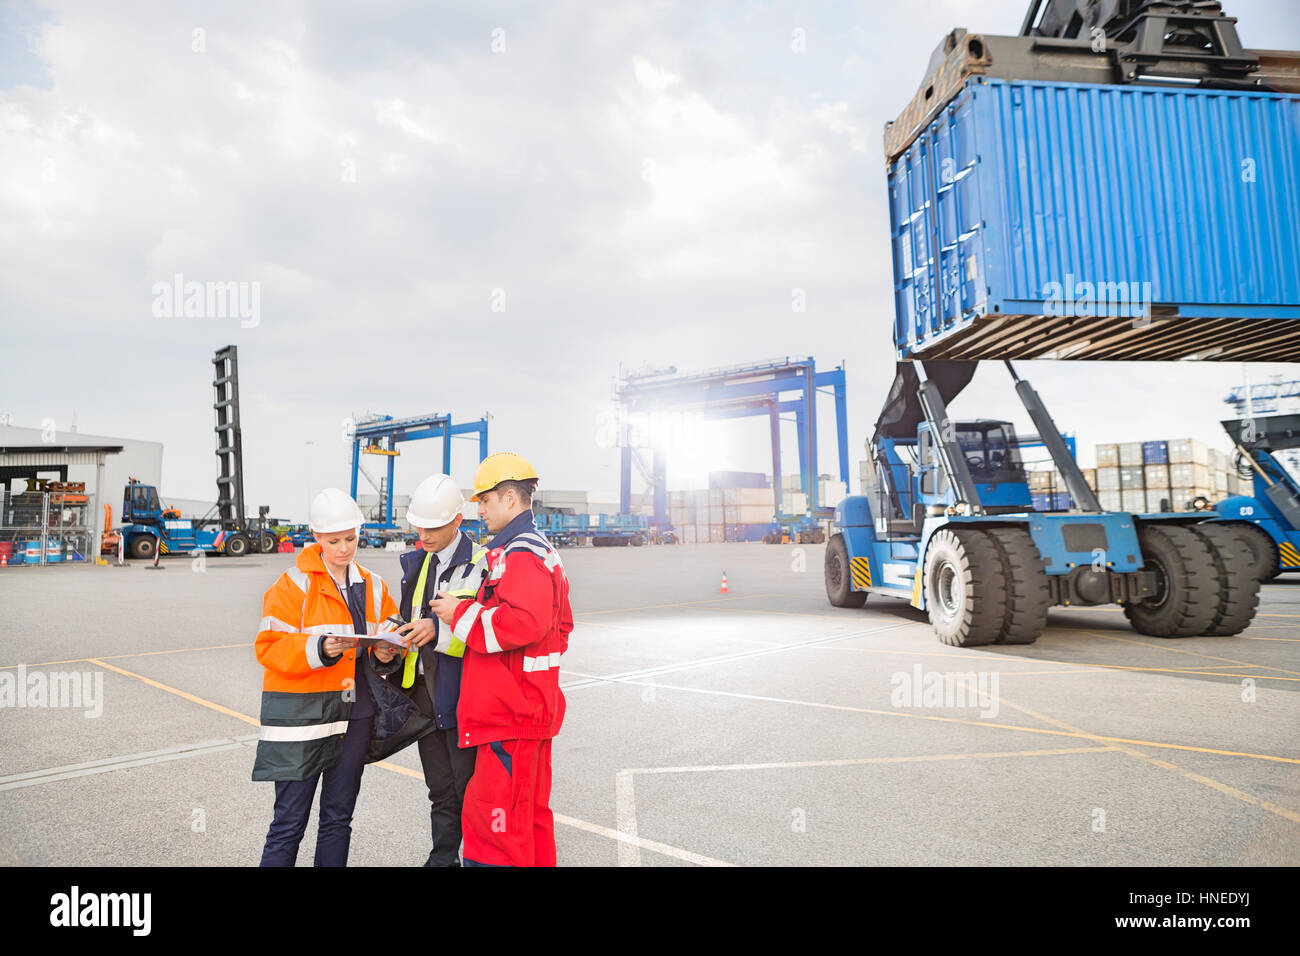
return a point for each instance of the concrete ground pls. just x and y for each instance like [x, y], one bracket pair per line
[758, 727]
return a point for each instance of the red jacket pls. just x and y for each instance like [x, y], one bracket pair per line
[514, 631]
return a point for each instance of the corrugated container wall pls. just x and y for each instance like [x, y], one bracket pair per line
[1155, 452]
[1020, 192]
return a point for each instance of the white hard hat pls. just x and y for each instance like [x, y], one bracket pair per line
[436, 502]
[334, 510]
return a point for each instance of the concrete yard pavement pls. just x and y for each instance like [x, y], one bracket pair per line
[758, 727]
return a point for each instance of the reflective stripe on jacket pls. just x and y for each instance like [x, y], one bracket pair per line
[515, 631]
[306, 696]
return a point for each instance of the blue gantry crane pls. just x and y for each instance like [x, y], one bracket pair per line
[380, 435]
[1268, 516]
[768, 388]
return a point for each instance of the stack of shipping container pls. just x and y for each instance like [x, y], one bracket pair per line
[739, 506]
[720, 514]
[1146, 476]
[1154, 472]
[1047, 489]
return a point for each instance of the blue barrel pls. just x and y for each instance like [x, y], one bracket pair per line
[32, 552]
[53, 550]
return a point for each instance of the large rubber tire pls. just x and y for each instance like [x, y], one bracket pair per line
[237, 546]
[1029, 597]
[835, 569]
[269, 542]
[965, 589]
[1238, 578]
[1263, 549]
[1187, 596]
[142, 546]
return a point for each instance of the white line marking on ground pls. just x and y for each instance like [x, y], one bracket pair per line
[859, 761]
[723, 658]
[69, 771]
[661, 848]
[629, 854]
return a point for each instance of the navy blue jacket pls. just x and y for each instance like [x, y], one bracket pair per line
[441, 673]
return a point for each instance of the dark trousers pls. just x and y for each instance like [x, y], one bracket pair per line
[338, 797]
[447, 770]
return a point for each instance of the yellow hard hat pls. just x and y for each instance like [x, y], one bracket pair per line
[503, 466]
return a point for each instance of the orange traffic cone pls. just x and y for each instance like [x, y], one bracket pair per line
[723, 588]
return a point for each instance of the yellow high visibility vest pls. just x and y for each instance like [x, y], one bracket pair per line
[463, 584]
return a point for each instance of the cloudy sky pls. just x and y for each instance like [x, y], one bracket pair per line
[477, 209]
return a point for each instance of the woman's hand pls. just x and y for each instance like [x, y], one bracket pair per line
[334, 646]
[386, 652]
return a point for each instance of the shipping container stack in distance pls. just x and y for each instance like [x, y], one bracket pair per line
[737, 507]
[1150, 476]
[745, 512]
[1145, 477]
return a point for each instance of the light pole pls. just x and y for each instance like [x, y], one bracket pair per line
[309, 445]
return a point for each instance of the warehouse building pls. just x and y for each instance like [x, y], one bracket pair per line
[141, 460]
[47, 516]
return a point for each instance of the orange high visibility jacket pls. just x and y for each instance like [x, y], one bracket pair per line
[306, 696]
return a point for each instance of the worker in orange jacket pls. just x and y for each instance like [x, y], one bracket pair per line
[317, 708]
[511, 705]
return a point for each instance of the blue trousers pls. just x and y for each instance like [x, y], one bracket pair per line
[338, 797]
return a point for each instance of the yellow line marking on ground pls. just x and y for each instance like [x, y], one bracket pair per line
[179, 693]
[660, 848]
[1285, 640]
[113, 657]
[1179, 650]
[1190, 775]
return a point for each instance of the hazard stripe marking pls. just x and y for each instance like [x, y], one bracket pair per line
[860, 571]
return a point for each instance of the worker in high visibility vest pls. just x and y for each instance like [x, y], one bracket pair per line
[515, 630]
[429, 672]
[317, 710]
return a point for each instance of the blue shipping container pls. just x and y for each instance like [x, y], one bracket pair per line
[1058, 501]
[1155, 452]
[1068, 220]
[746, 532]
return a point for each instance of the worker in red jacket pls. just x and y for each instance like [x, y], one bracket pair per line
[511, 705]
